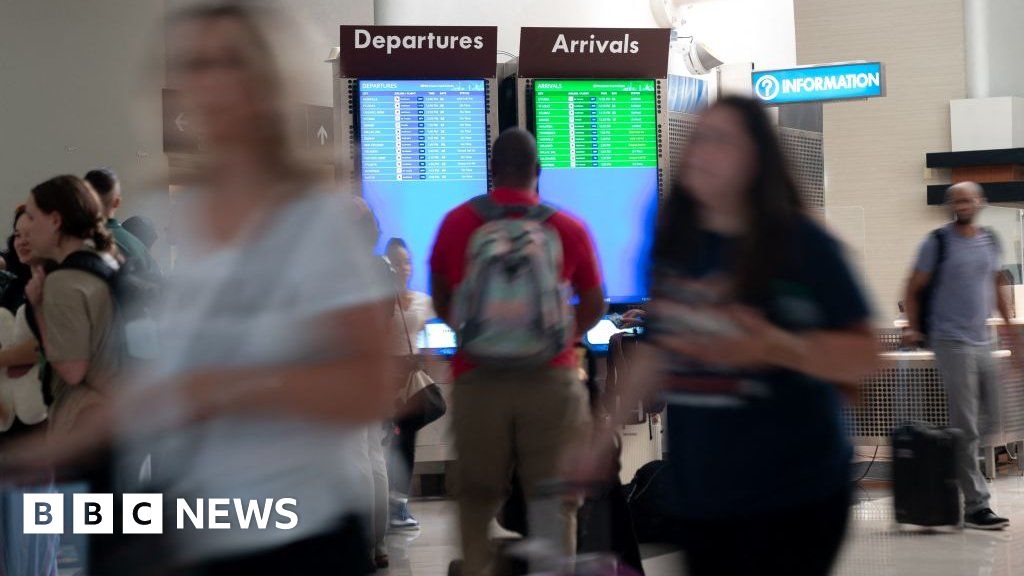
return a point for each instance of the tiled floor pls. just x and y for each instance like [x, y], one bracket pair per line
[874, 548]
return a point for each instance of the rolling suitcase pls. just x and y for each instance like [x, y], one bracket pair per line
[925, 491]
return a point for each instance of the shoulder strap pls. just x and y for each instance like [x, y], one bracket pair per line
[91, 263]
[940, 239]
[489, 210]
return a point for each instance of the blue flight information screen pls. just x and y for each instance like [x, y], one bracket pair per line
[423, 152]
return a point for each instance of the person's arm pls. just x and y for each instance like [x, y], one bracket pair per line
[595, 465]
[72, 370]
[1002, 302]
[590, 309]
[843, 356]
[349, 388]
[24, 354]
[585, 278]
[441, 292]
[343, 390]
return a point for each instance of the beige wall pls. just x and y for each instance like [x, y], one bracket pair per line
[875, 176]
[73, 95]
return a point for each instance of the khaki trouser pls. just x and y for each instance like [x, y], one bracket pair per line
[521, 418]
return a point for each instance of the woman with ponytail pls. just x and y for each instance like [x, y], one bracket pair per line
[73, 309]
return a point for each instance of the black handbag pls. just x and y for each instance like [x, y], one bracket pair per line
[423, 401]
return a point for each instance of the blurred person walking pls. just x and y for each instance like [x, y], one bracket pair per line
[959, 272]
[273, 350]
[756, 328]
[373, 457]
[503, 414]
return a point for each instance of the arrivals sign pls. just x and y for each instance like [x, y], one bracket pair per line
[853, 81]
[619, 53]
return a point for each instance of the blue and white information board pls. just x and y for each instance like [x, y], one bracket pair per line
[820, 83]
[424, 152]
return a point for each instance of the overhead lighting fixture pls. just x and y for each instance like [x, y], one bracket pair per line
[699, 60]
[696, 56]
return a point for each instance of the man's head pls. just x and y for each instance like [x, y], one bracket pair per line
[107, 186]
[514, 160]
[965, 201]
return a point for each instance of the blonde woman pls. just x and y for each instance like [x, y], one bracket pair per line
[274, 353]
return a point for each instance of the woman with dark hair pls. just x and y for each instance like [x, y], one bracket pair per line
[22, 404]
[13, 295]
[412, 310]
[22, 411]
[757, 329]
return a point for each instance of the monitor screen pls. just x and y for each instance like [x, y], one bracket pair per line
[598, 145]
[436, 336]
[423, 146]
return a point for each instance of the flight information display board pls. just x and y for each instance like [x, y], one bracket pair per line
[596, 124]
[598, 147]
[423, 150]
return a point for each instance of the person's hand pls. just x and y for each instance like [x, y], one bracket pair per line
[1010, 337]
[590, 466]
[912, 338]
[633, 318]
[34, 288]
[748, 344]
[34, 457]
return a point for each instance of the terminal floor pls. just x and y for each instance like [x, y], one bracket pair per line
[874, 547]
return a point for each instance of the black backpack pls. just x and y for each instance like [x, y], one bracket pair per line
[927, 294]
[136, 294]
[652, 502]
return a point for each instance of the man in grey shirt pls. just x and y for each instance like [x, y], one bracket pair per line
[963, 260]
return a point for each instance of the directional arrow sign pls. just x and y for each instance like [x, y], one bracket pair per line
[319, 127]
[180, 137]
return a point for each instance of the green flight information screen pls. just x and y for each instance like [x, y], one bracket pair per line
[598, 145]
[596, 123]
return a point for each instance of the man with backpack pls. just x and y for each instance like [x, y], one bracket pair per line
[503, 269]
[950, 295]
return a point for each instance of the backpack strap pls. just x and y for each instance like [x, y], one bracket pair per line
[91, 263]
[490, 210]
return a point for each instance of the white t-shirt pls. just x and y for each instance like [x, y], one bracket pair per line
[416, 315]
[249, 306]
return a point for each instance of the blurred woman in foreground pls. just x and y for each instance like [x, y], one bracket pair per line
[274, 346]
[756, 329]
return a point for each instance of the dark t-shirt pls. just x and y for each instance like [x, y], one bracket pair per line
[744, 442]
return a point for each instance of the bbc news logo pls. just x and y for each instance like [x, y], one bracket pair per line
[144, 514]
